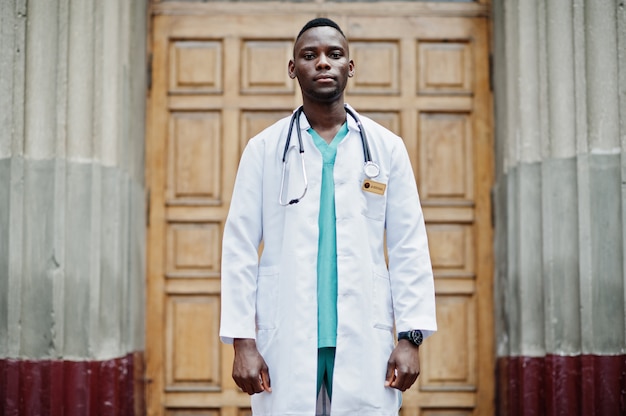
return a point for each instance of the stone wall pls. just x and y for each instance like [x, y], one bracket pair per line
[560, 114]
[72, 203]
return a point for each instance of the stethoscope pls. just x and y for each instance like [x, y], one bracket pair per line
[370, 168]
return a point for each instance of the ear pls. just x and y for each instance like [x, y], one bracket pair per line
[351, 68]
[291, 69]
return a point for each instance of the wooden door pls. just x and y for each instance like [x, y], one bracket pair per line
[219, 77]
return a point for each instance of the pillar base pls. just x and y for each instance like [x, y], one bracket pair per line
[68, 388]
[562, 385]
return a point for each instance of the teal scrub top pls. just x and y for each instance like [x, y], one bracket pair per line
[327, 244]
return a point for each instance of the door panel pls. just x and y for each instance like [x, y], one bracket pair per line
[220, 77]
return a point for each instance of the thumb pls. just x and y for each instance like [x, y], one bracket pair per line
[391, 373]
[265, 380]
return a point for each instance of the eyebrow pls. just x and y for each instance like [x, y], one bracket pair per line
[313, 48]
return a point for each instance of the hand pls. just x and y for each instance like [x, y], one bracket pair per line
[249, 369]
[403, 366]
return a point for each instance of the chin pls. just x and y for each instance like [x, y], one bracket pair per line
[326, 96]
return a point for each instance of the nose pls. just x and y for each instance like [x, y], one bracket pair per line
[322, 62]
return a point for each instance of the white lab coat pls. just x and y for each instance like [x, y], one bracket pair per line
[273, 299]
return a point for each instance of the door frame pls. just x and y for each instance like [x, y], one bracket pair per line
[484, 172]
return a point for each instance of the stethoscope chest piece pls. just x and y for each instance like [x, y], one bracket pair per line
[371, 169]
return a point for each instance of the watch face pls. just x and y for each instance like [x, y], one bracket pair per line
[416, 336]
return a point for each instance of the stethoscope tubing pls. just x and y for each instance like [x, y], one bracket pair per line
[367, 155]
[370, 168]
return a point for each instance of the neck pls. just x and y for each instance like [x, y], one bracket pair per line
[325, 117]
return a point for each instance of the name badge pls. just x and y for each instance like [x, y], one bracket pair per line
[374, 187]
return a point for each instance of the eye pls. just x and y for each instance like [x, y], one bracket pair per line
[335, 55]
[309, 56]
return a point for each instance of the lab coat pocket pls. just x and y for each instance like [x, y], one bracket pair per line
[383, 306]
[375, 204]
[266, 298]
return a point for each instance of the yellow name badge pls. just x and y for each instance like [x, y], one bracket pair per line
[374, 187]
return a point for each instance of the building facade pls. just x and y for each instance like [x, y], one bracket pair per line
[79, 85]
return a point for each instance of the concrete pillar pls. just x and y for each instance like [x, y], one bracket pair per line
[560, 89]
[72, 205]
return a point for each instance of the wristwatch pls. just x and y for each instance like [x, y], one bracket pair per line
[415, 336]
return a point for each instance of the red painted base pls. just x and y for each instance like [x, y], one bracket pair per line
[72, 388]
[555, 385]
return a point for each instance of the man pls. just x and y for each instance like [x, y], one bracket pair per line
[318, 308]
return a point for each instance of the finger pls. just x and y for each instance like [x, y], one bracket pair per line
[406, 380]
[247, 387]
[391, 374]
[411, 381]
[242, 383]
[251, 384]
[265, 380]
[402, 383]
[244, 387]
[398, 382]
[257, 384]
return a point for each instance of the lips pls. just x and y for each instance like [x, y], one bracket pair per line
[324, 78]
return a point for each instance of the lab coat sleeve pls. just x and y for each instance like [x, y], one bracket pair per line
[410, 270]
[242, 236]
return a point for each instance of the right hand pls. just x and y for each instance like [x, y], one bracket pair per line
[250, 371]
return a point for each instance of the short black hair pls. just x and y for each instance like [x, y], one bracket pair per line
[319, 22]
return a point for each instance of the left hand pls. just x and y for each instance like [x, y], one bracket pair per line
[403, 366]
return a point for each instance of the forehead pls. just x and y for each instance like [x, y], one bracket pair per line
[321, 36]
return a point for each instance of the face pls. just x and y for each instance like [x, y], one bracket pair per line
[322, 64]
